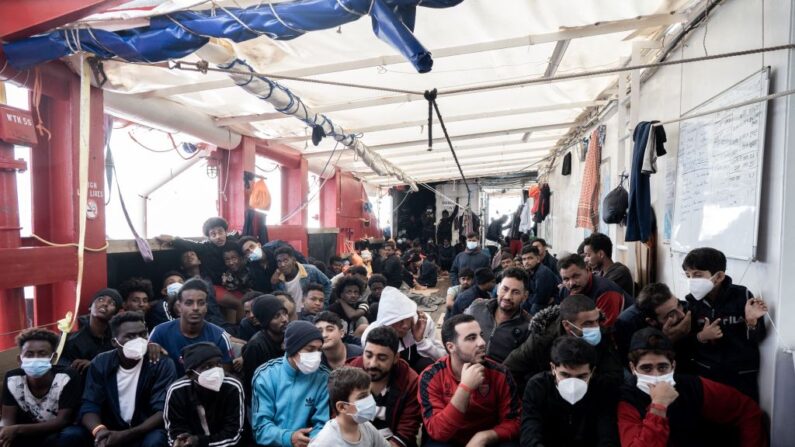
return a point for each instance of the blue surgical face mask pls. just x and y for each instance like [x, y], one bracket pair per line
[36, 367]
[255, 255]
[592, 335]
[173, 289]
[366, 410]
[471, 245]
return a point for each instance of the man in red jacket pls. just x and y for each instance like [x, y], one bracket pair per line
[577, 280]
[661, 409]
[394, 386]
[466, 399]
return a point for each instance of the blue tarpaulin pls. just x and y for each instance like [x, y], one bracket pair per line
[179, 34]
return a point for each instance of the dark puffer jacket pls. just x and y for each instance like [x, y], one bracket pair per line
[533, 356]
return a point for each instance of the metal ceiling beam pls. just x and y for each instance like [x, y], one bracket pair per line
[565, 33]
[474, 136]
[432, 157]
[187, 88]
[466, 117]
[422, 149]
[557, 56]
[441, 175]
[437, 165]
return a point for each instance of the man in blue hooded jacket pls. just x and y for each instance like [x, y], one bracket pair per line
[290, 393]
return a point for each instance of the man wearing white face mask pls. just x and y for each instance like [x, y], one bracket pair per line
[661, 408]
[205, 407]
[563, 406]
[349, 393]
[728, 322]
[290, 395]
[471, 258]
[124, 393]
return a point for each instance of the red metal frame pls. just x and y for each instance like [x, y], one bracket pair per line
[54, 170]
[24, 18]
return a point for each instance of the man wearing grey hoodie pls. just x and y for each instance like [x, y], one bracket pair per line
[418, 344]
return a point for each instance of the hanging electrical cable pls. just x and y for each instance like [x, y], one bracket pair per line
[430, 95]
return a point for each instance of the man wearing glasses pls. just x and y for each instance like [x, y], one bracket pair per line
[660, 407]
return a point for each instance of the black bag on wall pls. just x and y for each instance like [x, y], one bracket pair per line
[566, 168]
[615, 204]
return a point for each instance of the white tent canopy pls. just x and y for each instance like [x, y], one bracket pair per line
[476, 43]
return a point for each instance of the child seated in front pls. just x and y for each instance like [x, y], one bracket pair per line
[349, 395]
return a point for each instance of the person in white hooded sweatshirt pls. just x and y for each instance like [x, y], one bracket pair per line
[418, 344]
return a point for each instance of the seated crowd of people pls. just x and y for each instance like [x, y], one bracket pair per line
[252, 344]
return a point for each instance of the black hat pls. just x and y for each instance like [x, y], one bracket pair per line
[196, 354]
[298, 334]
[650, 338]
[112, 293]
[265, 307]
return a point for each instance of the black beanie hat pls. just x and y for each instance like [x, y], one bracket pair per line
[265, 307]
[196, 354]
[298, 334]
[112, 293]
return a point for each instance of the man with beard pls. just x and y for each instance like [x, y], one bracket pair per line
[598, 250]
[190, 327]
[504, 323]
[484, 407]
[393, 385]
[577, 280]
[266, 344]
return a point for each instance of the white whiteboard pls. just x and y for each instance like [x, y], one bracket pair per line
[719, 172]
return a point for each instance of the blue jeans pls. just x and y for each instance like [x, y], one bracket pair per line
[78, 436]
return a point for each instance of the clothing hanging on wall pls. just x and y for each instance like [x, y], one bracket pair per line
[654, 148]
[639, 216]
[543, 208]
[526, 218]
[588, 206]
